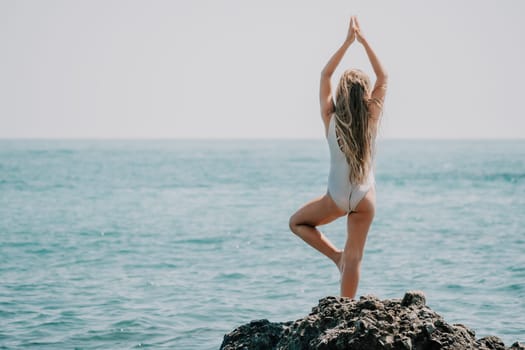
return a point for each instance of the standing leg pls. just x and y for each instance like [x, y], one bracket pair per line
[358, 224]
[319, 211]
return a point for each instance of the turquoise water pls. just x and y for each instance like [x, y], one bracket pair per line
[171, 244]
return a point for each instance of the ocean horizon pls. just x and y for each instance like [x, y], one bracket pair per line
[171, 243]
[269, 138]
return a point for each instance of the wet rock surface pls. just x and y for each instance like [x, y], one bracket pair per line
[367, 323]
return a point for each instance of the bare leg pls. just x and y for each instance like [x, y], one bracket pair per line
[358, 225]
[319, 211]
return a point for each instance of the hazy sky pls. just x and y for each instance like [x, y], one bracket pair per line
[250, 69]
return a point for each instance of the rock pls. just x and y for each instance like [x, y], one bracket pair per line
[414, 297]
[492, 343]
[517, 346]
[263, 335]
[367, 323]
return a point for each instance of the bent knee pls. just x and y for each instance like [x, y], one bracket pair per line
[294, 222]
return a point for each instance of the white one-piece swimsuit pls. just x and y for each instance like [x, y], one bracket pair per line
[345, 194]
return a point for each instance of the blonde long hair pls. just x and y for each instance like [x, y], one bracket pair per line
[355, 131]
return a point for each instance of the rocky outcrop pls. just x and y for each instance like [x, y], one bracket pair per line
[367, 323]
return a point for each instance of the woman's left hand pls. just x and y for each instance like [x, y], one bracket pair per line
[350, 36]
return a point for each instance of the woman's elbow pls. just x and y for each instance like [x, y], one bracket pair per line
[382, 78]
[326, 74]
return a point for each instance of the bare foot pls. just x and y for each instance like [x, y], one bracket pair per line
[339, 262]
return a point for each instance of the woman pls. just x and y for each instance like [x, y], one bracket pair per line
[351, 124]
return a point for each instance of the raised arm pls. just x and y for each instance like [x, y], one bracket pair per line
[325, 86]
[379, 90]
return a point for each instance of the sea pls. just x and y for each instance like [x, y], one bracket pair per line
[170, 244]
